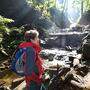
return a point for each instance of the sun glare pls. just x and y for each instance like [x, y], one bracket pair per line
[73, 12]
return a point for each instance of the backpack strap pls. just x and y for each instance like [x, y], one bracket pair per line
[14, 52]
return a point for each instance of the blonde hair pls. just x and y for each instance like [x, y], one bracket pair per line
[31, 34]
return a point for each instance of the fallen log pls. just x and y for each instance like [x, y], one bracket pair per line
[21, 86]
[16, 82]
[82, 82]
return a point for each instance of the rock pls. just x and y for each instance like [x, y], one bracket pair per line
[76, 62]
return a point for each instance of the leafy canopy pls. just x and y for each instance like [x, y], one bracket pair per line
[42, 5]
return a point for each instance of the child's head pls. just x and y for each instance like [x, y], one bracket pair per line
[32, 36]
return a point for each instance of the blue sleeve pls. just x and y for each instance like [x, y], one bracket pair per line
[30, 60]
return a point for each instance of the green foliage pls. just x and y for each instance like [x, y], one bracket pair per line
[9, 37]
[86, 4]
[3, 23]
[3, 26]
[11, 40]
[42, 5]
[5, 20]
[4, 32]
